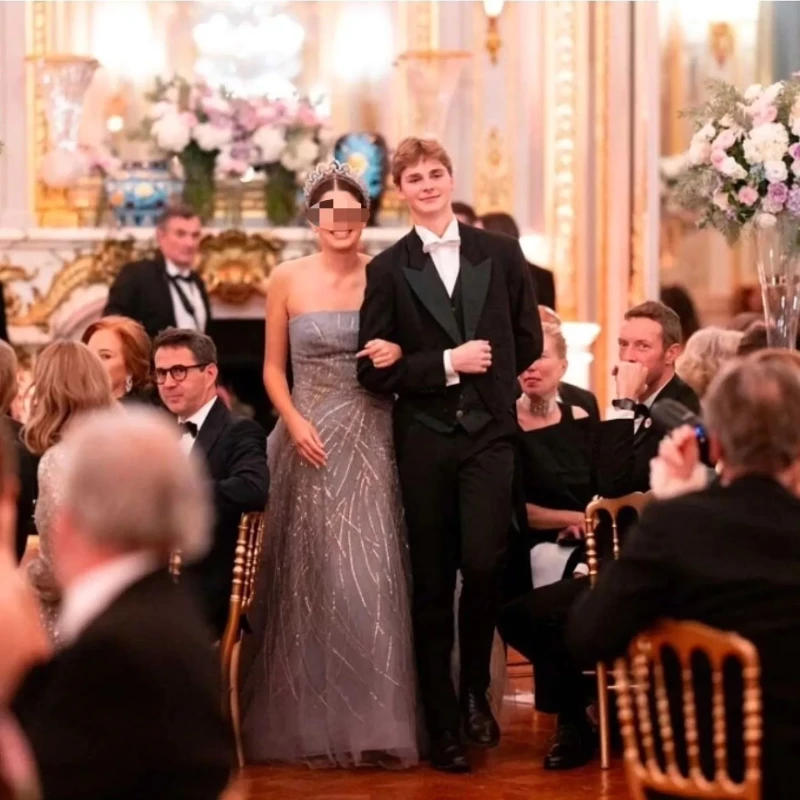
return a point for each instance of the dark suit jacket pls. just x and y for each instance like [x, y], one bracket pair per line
[235, 453]
[132, 708]
[583, 398]
[646, 439]
[27, 470]
[728, 557]
[141, 292]
[406, 303]
[545, 286]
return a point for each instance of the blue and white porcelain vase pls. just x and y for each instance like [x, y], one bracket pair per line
[141, 192]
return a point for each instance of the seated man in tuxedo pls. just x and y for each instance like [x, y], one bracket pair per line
[129, 706]
[165, 291]
[27, 462]
[649, 345]
[234, 449]
[727, 556]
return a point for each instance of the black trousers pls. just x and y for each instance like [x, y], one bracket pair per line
[534, 626]
[457, 497]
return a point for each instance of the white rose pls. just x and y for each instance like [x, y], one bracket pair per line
[307, 151]
[699, 151]
[752, 92]
[270, 140]
[707, 132]
[211, 137]
[752, 152]
[721, 200]
[771, 140]
[771, 92]
[172, 133]
[725, 140]
[731, 167]
[766, 220]
[775, 171]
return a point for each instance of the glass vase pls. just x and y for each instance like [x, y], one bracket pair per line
[778, 257]
[199, 190]
[280, 196]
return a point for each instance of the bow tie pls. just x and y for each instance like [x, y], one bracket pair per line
[185, 278]
[188, 427]
[440, 244]
[641, 410]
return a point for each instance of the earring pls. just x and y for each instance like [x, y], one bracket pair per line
[128, 384]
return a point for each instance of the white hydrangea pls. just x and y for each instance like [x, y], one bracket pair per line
[211, 137]
[271, 141]
[766, 143]
[775, 171]
[172, 132]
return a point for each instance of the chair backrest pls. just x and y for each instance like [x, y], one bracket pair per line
[650, 761]
[245, 566]
[613, 506]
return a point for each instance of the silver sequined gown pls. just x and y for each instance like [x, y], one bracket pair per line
[329, 679]
[40, 569]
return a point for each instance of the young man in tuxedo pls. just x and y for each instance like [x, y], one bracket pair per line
[649, 345]
[129, 706]
[727, 556]
[460, 303]
[234, 449]
[165, 291]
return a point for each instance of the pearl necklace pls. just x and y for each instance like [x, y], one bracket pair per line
[541, 407]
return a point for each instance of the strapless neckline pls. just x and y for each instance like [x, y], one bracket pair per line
[322, 312]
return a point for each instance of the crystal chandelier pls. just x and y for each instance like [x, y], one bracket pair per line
[250, 47]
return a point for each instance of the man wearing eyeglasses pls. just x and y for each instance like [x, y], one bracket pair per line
[234, 448]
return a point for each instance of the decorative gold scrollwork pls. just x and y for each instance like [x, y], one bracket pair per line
[236, 265]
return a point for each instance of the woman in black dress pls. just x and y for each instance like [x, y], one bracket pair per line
[565, 460]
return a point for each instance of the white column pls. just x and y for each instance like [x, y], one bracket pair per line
[580, 337]
[15, 161]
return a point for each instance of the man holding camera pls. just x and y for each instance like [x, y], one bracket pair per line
[728, 555]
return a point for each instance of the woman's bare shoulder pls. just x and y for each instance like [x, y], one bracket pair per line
[293, 266]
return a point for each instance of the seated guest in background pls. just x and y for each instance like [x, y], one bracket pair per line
[744, 321]
[727, 556]
[756, 337]
[27, 462]
[465, 214]
[123, 347]
[68, 380]
[165, 291]
[234, 449]
[705, 352]
[680, 301]
[566, 459]
[568, 393]
[130, 705]
[649, 345]
[543, 282]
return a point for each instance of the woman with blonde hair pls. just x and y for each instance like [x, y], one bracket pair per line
[68, 380]
[703, 355]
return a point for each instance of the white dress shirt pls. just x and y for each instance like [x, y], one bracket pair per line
[88, 597]
[446, 254]
[183, 319]
[198, 418]
[618, 413]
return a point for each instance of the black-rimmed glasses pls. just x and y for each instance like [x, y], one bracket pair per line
[178, 372]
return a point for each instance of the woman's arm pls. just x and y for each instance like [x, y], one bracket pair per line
[307, 440]
[541, 518]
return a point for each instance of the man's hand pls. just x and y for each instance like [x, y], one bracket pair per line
[472, 358]
[631, 380]
[677, 468]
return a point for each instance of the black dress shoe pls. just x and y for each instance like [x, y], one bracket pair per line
[573, 746]
[447, 754]
[480, 727]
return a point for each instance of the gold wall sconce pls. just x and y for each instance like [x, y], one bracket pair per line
[493, 9]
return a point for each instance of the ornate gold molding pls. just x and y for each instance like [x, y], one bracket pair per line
[493, 192]
[236, 265]
[561, 146]
[233, 264]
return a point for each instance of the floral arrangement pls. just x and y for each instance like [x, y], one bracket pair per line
[745, 158]
[217, 136]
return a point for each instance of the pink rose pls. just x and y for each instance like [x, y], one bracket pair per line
[794, 150]
[763, 115]
[747, 195]
[725, 140]
[718, 158]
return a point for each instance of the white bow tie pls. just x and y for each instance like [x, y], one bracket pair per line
[430, 247]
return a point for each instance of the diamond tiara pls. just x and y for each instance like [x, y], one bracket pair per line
[334, 169]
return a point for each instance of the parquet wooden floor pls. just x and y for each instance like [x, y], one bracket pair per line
[511, 772]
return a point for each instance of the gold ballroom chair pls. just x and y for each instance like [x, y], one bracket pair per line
[245, 565]
[636, 501]
[650, 763]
